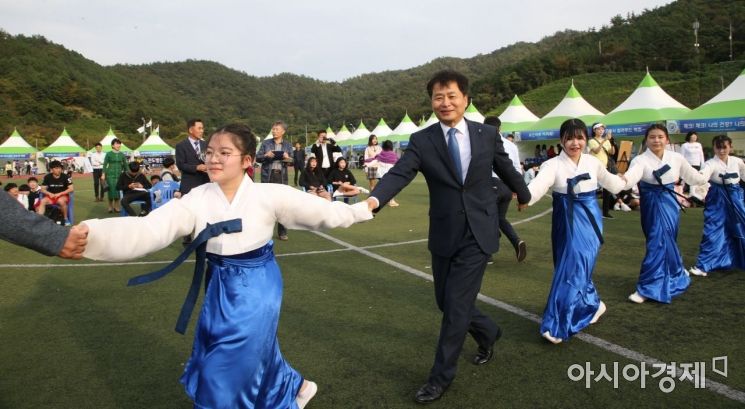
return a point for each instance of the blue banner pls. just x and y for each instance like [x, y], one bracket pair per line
[630, 129]
[539, 135]
[710, 125]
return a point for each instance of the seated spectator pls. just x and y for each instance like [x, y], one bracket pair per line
[627, 200]
[154, 179]
[134, 186]
[343, 180]
[34, 194]
[56, 188]
[531, 171]
[23, 192]
[313, 181]
[14, 192]
[169, 171]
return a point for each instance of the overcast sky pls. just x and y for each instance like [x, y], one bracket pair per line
[330, 40]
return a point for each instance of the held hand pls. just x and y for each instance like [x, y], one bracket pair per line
[372, 204]
[75, 243]
[103, 176]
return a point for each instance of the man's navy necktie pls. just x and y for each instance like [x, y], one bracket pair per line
[454, 150]
[196, 148]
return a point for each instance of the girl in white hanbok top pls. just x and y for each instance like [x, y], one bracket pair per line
[662, 275]
[576, 232]
[235, 361]
[723, 241]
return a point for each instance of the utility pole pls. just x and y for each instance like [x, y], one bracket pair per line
[696, 26]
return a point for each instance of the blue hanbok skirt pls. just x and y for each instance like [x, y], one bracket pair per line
[236, 361]
[723, 242]
[662, 274]
[573, 299]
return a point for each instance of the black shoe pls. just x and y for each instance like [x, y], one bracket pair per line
[607, 216]
[429, 393]
[521, 250]
[186, 241]
[484, 355]
[490, 260]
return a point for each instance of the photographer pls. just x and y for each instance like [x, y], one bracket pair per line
[602, 147]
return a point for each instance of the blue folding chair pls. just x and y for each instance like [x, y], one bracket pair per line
[162, 192]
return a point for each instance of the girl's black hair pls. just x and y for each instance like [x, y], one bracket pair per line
[572, 128]
[387, 145]
[689, 134]
[719, 141]
[242, 138]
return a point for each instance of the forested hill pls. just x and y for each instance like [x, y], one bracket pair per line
[44, 86]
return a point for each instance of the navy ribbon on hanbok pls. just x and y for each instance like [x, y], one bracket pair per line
[729, 188]
[571, 183]
[658, 177]
[199, 244]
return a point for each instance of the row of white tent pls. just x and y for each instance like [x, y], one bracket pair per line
[648, 104]
[64, 146]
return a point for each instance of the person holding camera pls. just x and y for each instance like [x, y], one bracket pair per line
[274, 155]
[601, 146]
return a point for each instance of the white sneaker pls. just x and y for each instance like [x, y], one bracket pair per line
[305, 396]
[625, 207]
[338, 193]
[697, 272]
[551, 338]
[636, 297]
[617, 207]
[363, 190]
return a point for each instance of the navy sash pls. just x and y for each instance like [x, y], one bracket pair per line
[199, 244]
[571, 183]
[658, 177]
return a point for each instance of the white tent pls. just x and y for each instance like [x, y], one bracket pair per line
[16, 147]
[382, 130]
[63, 146]
[361, 132]
[517, 117]
[155, 146]
[406, 127]
[431, 121]
[648, 104]
[572, 106]
[473, 114]
[723, 113]
[343, 134]
[106, 143]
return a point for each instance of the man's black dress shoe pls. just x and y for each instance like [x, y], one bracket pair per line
[485, 355]
[428, 393]
[521, 250]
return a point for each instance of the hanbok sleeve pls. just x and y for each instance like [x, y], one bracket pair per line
[610, 182]
[127, 238]
[741, 168]
[298, 210]
[634, 173]
[690, 175]
[542, 182]
[707, 169]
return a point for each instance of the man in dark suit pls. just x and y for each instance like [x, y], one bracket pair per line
[456, 157]
[324, 150]
[190, 160]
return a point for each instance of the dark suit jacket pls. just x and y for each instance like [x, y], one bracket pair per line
[318, 152]
[187, 161]
[456, 205]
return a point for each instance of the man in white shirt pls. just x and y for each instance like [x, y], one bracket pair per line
[96, 160]
[504, 194]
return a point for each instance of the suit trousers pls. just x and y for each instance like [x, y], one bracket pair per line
[457, 282]
[504, 197]
[276, 177]
[97, 185]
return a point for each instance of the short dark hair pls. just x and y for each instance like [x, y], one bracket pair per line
[55, 164]
[154, 177]
[115, 141]
[9, 185]
[168, 162]
[445, 77]
[98, 144]
[322, 131]
[134, 166]
[192, 122]
[32, 178]
[572, 128]
[493, 121]
[24, 188]
[689, 134]
[720, 140]
[242, 137]
[387, 145]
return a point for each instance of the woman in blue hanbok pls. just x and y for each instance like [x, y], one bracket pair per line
[236, 360]
[576, 232]
[723, 242]
[662, 275]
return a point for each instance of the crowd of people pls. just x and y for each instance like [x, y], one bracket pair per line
[472, 171]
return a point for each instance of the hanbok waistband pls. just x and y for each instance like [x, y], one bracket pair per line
[654, 186]
[578, 196]
[251, 258]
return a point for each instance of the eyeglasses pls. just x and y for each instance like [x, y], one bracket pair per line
[221, 156]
